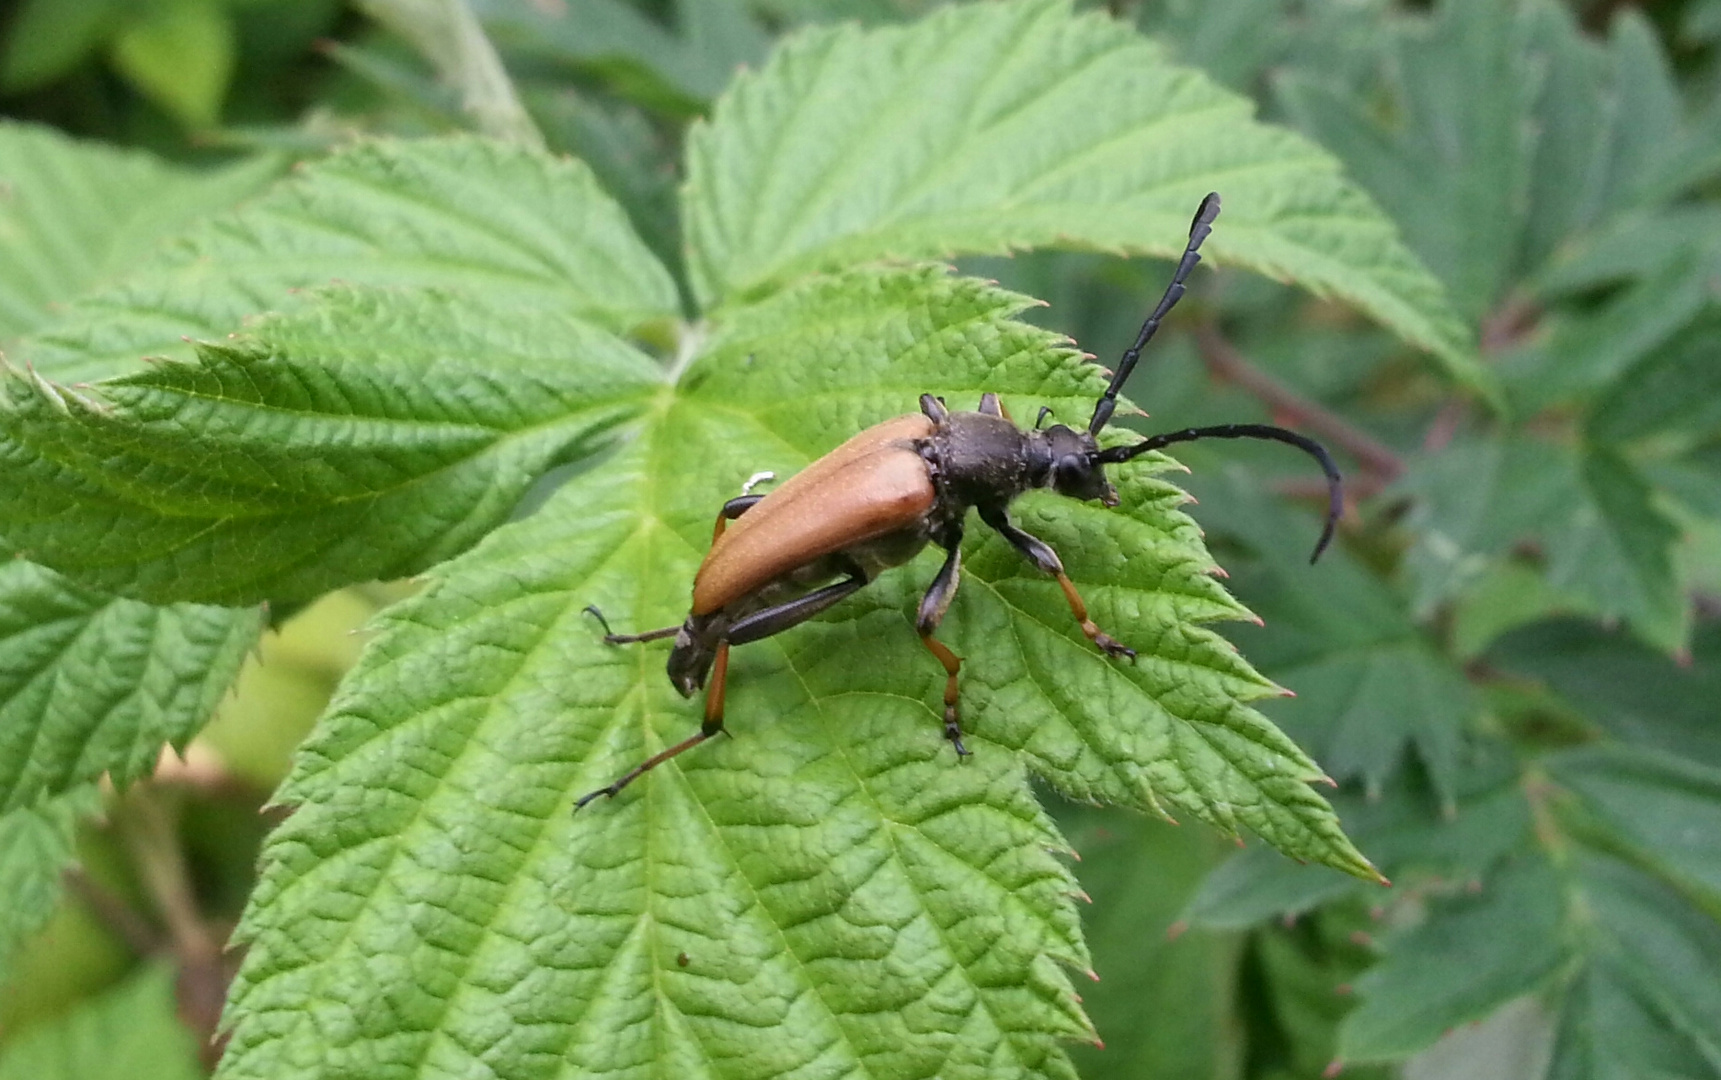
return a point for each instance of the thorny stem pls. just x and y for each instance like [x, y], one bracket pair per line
[1225, 362]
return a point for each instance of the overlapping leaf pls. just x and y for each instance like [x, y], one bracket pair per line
[376, 435]
[975, 131]
[514, 229]
[95, 685]
[75, 216]
[829, 874]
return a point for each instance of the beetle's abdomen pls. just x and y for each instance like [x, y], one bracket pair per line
[872, 485]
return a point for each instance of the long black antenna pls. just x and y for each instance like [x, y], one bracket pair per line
[1198, 230]
[1335, 484]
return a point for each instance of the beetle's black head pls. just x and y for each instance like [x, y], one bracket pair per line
[1070, 460]
[690, 661]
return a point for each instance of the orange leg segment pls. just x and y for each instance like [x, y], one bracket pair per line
[952, 664]
[1079, 609]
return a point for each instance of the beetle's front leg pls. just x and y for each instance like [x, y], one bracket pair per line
[1041, 555]
[932, 609]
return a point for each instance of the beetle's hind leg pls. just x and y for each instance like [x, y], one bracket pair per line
[760, 624]
[713, 725]
[1041, 555]
[932, 608]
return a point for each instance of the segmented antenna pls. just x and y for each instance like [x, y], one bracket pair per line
[1335, 488]
[1198, 230]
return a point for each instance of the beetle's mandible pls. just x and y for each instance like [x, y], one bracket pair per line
[875, 501]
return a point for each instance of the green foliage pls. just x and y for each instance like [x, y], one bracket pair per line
[1508, 664]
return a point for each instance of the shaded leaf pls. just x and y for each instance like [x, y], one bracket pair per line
[373, 436]
[678, 71]
[1368, 685]
[1631, 692]
[35, 850]
[47, 38]
[1675, 389]
[1602, 539]
[973, 132]
[1453, 169]
[1648, 1002]
[1470, 957]
[1665, 808]
[179, 54]
[1164, 1001]
[130, 1031]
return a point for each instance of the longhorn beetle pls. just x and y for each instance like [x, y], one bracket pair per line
[875, 501]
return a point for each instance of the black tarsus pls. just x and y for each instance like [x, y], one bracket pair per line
[1198, 231]
[1335, 483]
[1045, 411]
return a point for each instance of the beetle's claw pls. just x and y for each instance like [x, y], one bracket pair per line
[580, 803]
[609, 635]
[954, 733]
[1114, 648]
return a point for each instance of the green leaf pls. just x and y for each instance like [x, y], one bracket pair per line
[1648, 1003]
[1470, 957]
[1164, 1001]
[1504, 596]
[1676, 389]
[95, 685]
[975, 131]
[510, 229]
[47, 38]
[827, 890]
[1607, 122]
[1632, 693]
[1410, 831]
[1368, 685]
[1259, 884]
[1667, 809]
[75, 216]
[179, 54]
[375, 435]
[1604, 542]
[35, 850]
[130, 1031]
[1454, 169]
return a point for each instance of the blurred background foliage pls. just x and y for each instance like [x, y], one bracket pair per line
[1511, 663]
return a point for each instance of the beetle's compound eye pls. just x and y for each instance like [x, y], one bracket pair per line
[1077, 476]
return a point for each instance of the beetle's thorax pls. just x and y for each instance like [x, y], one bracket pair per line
[982, 460]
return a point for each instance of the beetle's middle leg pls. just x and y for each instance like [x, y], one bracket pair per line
[932, 608]
[1041, 555]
